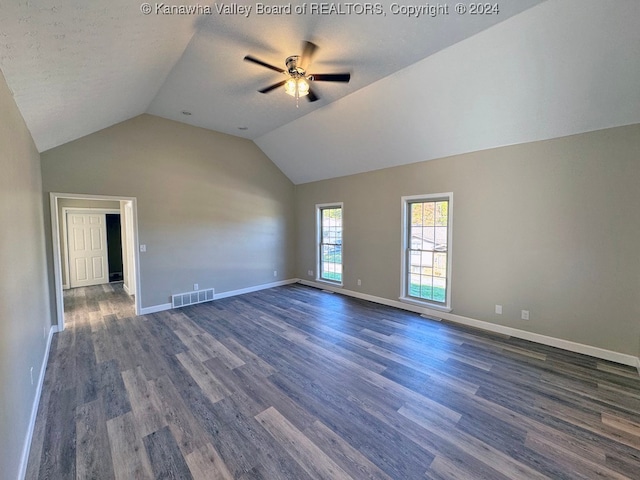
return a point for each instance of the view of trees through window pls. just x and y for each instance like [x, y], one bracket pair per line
[330, 254]
[428, 250]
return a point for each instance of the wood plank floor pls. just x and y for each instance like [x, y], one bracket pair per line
[296, 383]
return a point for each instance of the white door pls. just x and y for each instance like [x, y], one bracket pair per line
[87, 240]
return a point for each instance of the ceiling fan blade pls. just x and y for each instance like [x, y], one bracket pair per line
[272, 87]
[249, 58]
[308, 52]
[331, 77]
[312, 97]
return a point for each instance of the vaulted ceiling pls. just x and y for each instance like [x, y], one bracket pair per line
[422, 87]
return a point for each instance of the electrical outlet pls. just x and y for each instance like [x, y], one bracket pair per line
[275, 273]
[359, 282]
[143, 248]
[31, 373]
[499, 309]
[310, 273]
[196, 286]
[525, 314]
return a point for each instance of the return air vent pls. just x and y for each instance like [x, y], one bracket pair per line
[191, 298]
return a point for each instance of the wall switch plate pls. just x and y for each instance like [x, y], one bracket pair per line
[525, 314]
[143, 248]
[499, 309]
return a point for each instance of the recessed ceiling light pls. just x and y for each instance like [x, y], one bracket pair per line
[186, 112]
[243, 128]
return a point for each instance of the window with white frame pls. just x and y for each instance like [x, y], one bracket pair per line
[426, 273]
[329, 234]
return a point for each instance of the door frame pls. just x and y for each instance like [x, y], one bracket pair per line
[55, 241]
[65, 242]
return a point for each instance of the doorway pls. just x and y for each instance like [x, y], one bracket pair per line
[114, 247]
[103, 235]
[92, 246]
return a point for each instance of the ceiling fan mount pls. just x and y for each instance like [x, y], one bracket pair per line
[297, 83]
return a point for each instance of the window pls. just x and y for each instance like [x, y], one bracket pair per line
[329, 230]
[426, 276]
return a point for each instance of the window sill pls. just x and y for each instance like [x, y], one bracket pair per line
[329, 282]
[432, 306]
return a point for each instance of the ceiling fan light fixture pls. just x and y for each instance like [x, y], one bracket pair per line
[297, 87]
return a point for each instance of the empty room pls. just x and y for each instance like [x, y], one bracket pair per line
[315, 240]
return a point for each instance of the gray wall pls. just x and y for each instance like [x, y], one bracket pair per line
[552, 227]
[212, 208]
[25, 317]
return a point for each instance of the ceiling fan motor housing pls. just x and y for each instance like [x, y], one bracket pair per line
[292, 66]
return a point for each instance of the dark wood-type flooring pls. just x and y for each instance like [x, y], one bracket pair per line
[296, 383]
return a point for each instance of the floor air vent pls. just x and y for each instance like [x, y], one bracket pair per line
[191, 298]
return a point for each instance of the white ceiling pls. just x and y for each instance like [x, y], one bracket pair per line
[77, 66]
[421, 88]
[561, 68]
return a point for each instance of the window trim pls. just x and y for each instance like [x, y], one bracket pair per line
[319, 208]
[406, 201]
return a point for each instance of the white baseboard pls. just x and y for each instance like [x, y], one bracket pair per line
[34, 408]
[126, 289]
[264, 286]
[218, 296]
[592, 351]
[155, 308]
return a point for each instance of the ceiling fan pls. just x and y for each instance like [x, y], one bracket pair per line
[297, 83]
